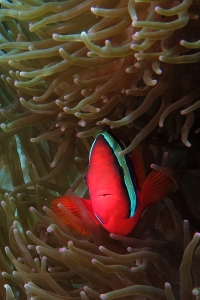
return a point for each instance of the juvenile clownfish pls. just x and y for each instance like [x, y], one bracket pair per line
[119, 190]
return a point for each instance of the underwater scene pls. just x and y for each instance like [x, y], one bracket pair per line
[100, 150]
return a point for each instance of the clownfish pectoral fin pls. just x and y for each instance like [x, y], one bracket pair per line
[72, 219]
[156, 187]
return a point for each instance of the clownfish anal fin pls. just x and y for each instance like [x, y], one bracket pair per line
[156, 187]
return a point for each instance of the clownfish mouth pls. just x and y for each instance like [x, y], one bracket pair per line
[104, 192]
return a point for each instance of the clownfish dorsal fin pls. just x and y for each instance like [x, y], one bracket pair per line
[138, 164]
[76, 226]
[156, 187]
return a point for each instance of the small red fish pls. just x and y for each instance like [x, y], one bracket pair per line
[119, 189]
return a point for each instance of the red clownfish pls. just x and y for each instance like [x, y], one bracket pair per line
[119, 190]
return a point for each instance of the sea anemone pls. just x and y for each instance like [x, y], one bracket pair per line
[41, 258]
[77, 68]
[51, 262]
[99, 64]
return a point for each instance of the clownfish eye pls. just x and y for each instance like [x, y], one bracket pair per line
[121, 171]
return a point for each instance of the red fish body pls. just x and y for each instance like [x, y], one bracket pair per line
[119, 191]
[106, 186]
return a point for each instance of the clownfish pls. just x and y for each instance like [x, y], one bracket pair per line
[118, 187]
